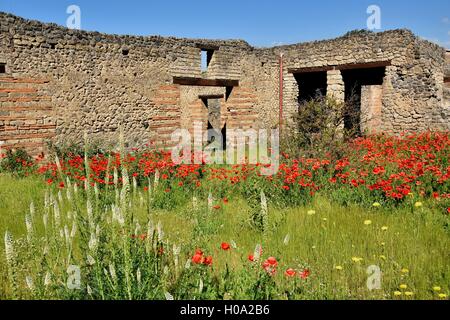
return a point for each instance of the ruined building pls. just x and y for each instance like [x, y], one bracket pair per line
[57, 83]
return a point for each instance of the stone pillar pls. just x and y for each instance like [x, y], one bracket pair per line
[371, 104]
[335, 85]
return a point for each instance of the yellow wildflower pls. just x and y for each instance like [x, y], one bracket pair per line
[368, 222]
[338, 268]
[357, 259]
[437, 288]
[403, 286]
[442, 295]
[376, 204]
[311, 212]
[418, 204]
[383, 257]
[404, 270]
[384, 228]
[409, 293]
[397, 293]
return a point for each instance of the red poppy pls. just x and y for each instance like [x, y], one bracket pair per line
[197, 258]
[225, 200]
[272, 261]
[305, 274]
[251, 258]
[290, 272]
[208, 261]
[216, 207]
[49, 181]
[225, 246]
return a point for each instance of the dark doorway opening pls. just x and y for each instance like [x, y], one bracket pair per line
[354, 80]
[214, 126]
[311, 85]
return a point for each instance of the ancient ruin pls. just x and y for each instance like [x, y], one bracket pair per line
[57, 83]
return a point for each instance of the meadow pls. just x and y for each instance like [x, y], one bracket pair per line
[372, 224]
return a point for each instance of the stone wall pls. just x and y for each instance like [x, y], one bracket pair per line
[60, 83]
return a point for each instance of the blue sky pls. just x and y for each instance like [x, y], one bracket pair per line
[260, 22]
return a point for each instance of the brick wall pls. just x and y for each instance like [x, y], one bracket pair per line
[26, 119]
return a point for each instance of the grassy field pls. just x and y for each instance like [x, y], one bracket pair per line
[335, 243]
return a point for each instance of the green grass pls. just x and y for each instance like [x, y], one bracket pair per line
[416, 239]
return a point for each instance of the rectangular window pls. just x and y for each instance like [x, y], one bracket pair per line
[206, 57]
[2, 67]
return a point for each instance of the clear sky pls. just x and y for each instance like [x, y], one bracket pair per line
[260, 22]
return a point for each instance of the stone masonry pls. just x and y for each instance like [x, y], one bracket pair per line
[56, 83]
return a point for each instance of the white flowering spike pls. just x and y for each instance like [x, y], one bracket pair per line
[112, 272]
[29, 282]
[90, 213]
[9, 248]
[194, 202]
[286, 239]
[138, 276]
[75, 188]
[134, 184]
[257, 252]
[90, 260]
[47, 279]
[96, 191]
[73, 232]
[233, 244]
[264, 211]
[32, 210]
[187, 264]
[92, 242]
[57, 215]
[160, 232]
[89, 290]
[200, 286]
[210, 201]
[150, 230]
[168, 296]
[60, 197]
[116, 177]
[137, 229]
[46, 200]
[98, 230]
[156, 178]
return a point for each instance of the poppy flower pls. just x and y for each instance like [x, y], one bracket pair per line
[216, 207]
[225, 246]
[272, 261]
[208, 261]
[305, 274]
[290, 272]
[251, 258]
[197, 258]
